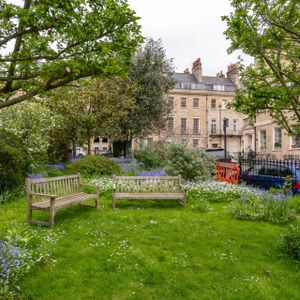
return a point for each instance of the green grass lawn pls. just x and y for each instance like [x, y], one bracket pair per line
[151, 250]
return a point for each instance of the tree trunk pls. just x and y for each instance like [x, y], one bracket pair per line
[73, 149]
[125, 148]
[89, 146]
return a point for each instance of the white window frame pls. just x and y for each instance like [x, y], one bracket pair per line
[213, 123]
[219, 87]
[170, 128]
[171, 102]
[292, 139]
[195, 143]
[215, 103]
[275, 137]
[183, 100]
[183, 129]
[235, 125]
[260, 140]
[198, 128]
[224, 104]
[196, 100]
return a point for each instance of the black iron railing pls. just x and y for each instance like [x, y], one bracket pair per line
[268, 173]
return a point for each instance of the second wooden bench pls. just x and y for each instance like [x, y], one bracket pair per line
[148, 188]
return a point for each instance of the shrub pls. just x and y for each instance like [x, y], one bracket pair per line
[294, 203]
[13, 167]
[191, 164]
[255, 208]
[149, 157]
[290, 242]
[94, 166]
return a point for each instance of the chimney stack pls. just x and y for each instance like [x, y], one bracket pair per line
[197, 69]
[186, 71]
[220, 74]
[233, 74]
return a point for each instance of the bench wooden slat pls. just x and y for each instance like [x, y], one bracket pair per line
[61, 202]
[148, 188]
[67, 189]
[150, 196]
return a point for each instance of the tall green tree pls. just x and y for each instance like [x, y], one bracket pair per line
[29, 125]
[45, 44]
[268, 30]
[93, 108]
[151, 72]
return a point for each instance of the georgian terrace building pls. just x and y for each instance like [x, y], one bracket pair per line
[199, 105]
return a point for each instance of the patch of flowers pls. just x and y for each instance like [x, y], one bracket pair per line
[60, 166]
[122, 159]
[268, 209]
[248, 203]
[21, 249]
[35, 175]
[212, 191]
[155, 172]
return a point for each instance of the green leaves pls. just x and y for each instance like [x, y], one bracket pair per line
[90, 37]
[270, 32]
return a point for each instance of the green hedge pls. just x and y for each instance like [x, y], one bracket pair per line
[94, 166]
[13, 167]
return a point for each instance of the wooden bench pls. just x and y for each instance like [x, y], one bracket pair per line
[54, 193]
[148, 188]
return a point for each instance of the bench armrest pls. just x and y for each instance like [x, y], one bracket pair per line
[44, 195]
[183, 188]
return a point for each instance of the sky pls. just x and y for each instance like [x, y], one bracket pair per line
[189, 29]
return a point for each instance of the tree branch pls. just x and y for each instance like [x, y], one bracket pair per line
[17, 47]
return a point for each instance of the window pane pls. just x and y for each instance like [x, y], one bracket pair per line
[183, 125]
[196, 126]
[213, 103]
[183, 102]
[196, 103]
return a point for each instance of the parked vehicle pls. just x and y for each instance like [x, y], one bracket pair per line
[219, 155]
[80, 152]
[272, 175]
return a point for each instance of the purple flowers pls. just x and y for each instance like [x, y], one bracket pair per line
[155, 172]
[15, 261]
[132, 167]
[122, 159]
[35, 175]
[60, 166]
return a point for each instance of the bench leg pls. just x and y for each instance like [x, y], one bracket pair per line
[97, 198]
[113, 201]
[51, 213]
[29, 214]
[183, 202]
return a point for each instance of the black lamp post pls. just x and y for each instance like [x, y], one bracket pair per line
[225, 125]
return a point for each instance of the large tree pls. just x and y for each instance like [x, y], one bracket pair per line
[93, 108]
[45, 44]
[29, 125]
[268, 30]
[151, 72]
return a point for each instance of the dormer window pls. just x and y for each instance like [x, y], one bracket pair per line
[219, 87]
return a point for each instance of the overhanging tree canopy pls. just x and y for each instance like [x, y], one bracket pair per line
[46, 44]
[268, 30]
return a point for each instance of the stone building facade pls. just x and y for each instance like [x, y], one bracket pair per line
[268, 140]
[198, 106]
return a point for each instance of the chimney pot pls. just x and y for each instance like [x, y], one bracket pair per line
[197, 69]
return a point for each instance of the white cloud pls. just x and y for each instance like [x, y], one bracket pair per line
[189, 29]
